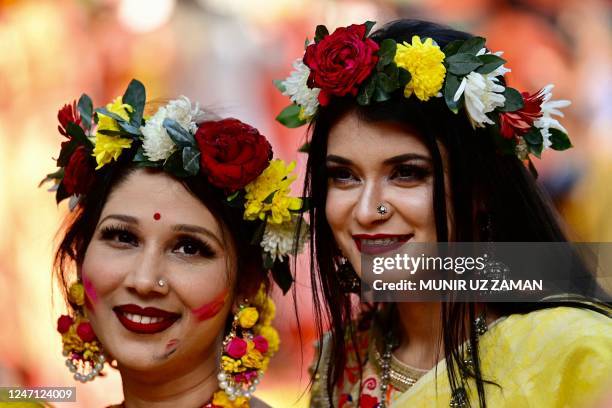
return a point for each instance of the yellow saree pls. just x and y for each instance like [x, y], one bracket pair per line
[558, 357]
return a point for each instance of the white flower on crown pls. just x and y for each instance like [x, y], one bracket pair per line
[482, 93]
[156, 143]
[279, 239]
[296, 87]
[549, 108]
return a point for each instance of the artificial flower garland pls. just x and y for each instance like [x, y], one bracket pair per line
[180, 139]
[464, 73]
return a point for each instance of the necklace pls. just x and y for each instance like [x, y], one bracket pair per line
[402, 377]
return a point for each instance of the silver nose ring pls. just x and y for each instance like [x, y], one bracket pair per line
[382, 209]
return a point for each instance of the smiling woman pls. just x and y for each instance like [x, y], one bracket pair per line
[417, 139]
[158, 220]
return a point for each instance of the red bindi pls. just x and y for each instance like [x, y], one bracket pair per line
[156, 216]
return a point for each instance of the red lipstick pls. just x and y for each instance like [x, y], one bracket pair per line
[157, 320]
[393, 242]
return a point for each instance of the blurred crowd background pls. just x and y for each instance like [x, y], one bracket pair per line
[225, 54]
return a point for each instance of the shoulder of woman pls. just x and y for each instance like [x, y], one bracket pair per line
[562, 325]
[561, 353]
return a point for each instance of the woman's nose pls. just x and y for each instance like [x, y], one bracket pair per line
[147, 276]
[369, 205]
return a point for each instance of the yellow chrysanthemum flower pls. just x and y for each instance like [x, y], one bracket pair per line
[108, 148]
[76, 294]
[424, 62]
[252, 359]
[271, 335]
[247, 317]
[274, 179]
[118, 107]
[220, 399]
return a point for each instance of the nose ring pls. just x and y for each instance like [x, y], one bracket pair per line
[161, 283]
[382, 209]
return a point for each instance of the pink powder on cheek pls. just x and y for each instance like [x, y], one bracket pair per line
[209, 310]
[91, 297]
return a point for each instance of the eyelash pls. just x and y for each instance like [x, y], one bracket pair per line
[117, 233]
[343, 175]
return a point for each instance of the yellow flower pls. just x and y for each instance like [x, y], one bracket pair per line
[271, 335]
[76, 294]
[267, 312]
[108, 148]
[220, 399]
[118, 107]
[252, 359]
[424, 62]
[247, 317]
[230, 365]
[274, 179]
[264, 363]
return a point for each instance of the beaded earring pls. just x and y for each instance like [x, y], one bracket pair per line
[85, 357]
[247, 349]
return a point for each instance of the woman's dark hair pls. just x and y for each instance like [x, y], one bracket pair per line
[79, 226]
[493, 197]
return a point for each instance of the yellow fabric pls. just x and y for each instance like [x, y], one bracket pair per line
[553, 358]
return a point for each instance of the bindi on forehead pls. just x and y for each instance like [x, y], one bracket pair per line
[157, 216]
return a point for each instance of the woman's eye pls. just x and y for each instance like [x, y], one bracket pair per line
[341, 175]
[194, 247]
[119, 235]
[408, 172]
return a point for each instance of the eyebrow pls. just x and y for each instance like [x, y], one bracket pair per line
[392, 160]
[177, 228]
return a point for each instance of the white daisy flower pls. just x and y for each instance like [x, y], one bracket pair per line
[157, 144]
[297, 89]
[549, 108]
[482, 93]
[279, 239]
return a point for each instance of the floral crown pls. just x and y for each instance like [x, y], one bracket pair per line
[464, 73]
[180, 139]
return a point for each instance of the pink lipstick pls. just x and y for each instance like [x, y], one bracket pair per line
[148, 320]
[375, 244]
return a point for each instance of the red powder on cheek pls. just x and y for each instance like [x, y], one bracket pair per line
[209, 310]
[156, 216]
[91, 297]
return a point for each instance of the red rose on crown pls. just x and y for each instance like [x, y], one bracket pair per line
[341, 61]
[232, 153]
[79, 173]
[68, 113]
[517, 123]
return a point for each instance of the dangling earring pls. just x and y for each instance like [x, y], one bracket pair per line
[85, 357]
[246, 351]
[347, 277]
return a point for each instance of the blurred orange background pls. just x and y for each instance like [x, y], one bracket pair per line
[225, 54]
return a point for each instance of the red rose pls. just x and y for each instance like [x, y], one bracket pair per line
[517, 123]
[69, 113]
[232, 153]
[63, 323]
[341, 61]
[85, 332]
[79, 174]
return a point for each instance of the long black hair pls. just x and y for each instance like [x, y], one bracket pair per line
[493, 197]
